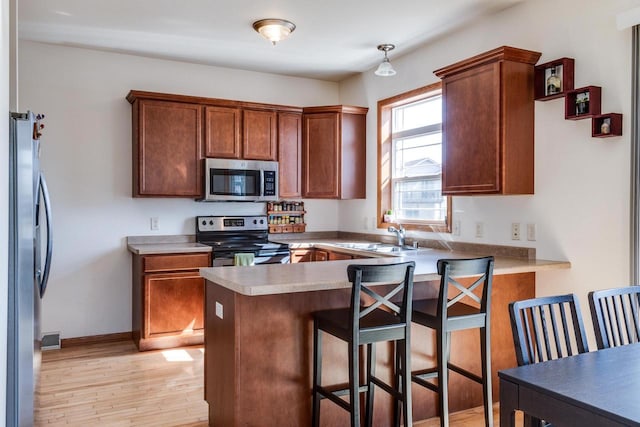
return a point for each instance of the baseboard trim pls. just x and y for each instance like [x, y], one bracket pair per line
[96, 339]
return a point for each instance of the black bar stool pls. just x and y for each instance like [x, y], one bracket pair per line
[360, 324]
[447, 315]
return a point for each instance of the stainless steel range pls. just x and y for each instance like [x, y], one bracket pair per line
[228, 235]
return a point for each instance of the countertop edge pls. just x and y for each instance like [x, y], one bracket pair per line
[335, 274]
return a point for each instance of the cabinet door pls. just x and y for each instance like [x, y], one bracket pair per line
[338, 255]
[320, 255]
[222, 132]
[260, 138]
[167, 149]
[174, 303]
[290, 154]
[321, 156]
[472, 131]
[302, 255]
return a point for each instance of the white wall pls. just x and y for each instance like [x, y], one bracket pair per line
[86, 155]
[4, 199]
[581, 201]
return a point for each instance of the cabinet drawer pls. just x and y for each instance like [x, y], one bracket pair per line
[175, 262]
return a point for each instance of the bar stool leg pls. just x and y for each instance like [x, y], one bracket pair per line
[485, 349]
[444, 342]
[317, 374]
[397, 378]
[371, 370]
[405, 349]
[354, 383]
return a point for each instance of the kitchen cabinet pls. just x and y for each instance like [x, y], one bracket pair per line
[290, 154]
[172, 134]
[260, 135]
[488, 123]
[168, 300]
[166, 148]
[302, 255]
[222, 132]
[236, 133]
[314, 254]
[334, 152]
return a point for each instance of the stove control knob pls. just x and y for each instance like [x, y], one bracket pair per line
[204, 222]
[210, 222]
[255, 221]
[262, 221]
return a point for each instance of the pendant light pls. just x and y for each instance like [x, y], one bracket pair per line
[274, 30]
[385, 69]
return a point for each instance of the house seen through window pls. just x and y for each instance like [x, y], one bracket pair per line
[411, 159]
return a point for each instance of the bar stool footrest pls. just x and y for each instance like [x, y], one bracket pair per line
[465, 373]
[420, 376]
[386, 387]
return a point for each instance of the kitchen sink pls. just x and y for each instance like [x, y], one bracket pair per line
[379, 247]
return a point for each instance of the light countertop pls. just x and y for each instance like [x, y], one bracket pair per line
[325, 275]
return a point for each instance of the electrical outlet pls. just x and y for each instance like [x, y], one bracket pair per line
[479, 229]
[515, 231]
[456, 227]
[531, 232]
[219, 310]
[154, 223]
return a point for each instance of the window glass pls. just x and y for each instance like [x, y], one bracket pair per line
[416, 138]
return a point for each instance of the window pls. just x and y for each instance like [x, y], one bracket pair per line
[410, 160]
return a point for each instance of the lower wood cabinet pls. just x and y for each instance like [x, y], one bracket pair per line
[168, 300]
[312, 254]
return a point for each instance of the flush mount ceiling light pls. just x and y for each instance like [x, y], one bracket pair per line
[274, 30]
[385, 69]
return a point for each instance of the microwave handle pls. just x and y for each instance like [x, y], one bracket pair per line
[262, 182]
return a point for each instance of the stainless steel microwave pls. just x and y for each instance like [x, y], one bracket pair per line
[240, 180]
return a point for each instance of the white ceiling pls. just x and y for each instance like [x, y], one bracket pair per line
[333, 39]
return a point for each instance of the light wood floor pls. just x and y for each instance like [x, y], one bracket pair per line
[115, 385]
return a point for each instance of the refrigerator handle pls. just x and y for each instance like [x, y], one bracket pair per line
[44, 276]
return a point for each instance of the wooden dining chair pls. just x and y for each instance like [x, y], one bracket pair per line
[615, 316]
[546, 328]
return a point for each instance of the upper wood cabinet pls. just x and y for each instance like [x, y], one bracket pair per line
[334, 152]
[222, 132]
[167, 148]
[260, 135]
[488, 123]
[236, 133]
[290, 154]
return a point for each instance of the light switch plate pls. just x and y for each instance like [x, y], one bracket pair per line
[219, 310]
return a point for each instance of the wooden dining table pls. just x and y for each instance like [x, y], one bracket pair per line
[599, 388]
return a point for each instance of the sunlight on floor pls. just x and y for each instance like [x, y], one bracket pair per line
[177, 355]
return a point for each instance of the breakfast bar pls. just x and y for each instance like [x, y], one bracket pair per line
[258, 338]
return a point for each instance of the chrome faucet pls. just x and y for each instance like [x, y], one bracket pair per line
[399, 232]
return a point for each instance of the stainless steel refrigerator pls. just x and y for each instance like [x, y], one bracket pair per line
[30, 245]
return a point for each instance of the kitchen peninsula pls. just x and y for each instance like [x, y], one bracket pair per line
[258, 338]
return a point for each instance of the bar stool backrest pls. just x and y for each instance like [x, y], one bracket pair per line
[614, 313]
[363, 276]
[547, 328]
[452, 272]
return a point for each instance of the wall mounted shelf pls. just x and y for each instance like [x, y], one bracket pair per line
[563, 68]
[606, 125]
[582, 103]
[589, 107]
